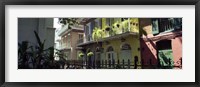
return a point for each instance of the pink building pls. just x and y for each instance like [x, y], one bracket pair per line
[161, 42]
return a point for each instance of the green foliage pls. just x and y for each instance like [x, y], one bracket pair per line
[106, 31]
[70, 21]
[117, 28]
[80, 55]
[40, 44]
[37, 55]
[97, 34]
[90, 54]
[125, 25]
[23, 54]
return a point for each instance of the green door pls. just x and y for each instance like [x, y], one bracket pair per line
[166, 58]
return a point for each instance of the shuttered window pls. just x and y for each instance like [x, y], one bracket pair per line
[155, 26]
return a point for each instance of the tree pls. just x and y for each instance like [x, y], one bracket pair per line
[70, 21]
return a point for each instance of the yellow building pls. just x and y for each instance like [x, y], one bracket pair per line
[118, 40]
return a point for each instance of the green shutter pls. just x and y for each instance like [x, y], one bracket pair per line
[155, 27]
[166, 58]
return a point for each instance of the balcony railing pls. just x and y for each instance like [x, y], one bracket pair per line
[89, 37]
[65, 45]
[62, 30]
[166, 25]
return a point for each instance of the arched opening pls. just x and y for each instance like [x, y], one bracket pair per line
[126, 54]
[110, 56]
[89, 58]
[98, 57]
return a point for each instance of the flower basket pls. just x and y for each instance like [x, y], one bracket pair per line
[90, 54]
[80, 55]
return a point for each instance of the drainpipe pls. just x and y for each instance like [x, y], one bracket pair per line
[129, 24]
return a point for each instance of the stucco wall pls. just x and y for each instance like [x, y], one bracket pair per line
[149, 48]
[74, 39]
[131, 40]
[177, 50]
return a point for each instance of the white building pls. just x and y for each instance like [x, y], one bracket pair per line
[43, 26]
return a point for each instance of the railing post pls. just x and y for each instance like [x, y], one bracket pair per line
[113, 63]
[109, 63]
[102, 64]
[123, 63]
[118, 66]
[74, 65]
[105, 63]
[94, 65]
[128, 64]
[82, 63]
[135, 62]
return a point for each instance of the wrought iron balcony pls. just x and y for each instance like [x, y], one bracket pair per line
[166, 25]
[62, 30]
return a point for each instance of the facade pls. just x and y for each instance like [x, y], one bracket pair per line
[123, 45]
[43, 26]
[67, 40]
[146, 42]
[161, 45]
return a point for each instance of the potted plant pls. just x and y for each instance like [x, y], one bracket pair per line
[125, 27]
[97, 34]
[90, 54]
[117, 28]
[106, 31]
[134, 25]
[80, 55]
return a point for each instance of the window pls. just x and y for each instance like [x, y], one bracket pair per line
[108, 21]
[126, 47]
[166, 25]
[155, 29]
[96, 24]
[87, 33]
[100, 23]
[111, 21]
[80, 36]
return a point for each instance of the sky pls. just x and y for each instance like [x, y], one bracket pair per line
[55, 23]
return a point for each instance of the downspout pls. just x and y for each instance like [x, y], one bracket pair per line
[129, 24]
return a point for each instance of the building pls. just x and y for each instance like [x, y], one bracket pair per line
[26, 27]
[161, 42]
[67, 39]
[117, 43]
[43, 26]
